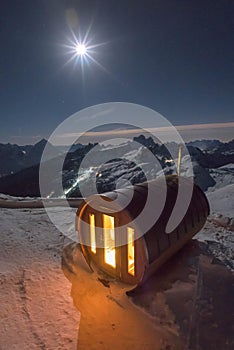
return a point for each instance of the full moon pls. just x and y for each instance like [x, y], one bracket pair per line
[81, 49]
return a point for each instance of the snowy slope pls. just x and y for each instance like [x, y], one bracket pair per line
[36, 308]
[222, 200]
[37, 311]
[222, 176]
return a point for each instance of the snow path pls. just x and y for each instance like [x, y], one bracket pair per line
[36, 311]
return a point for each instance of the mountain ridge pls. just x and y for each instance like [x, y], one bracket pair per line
[25, 182]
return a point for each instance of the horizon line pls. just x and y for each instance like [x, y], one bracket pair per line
[184, 128]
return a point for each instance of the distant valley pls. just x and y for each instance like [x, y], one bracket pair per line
[212, 162]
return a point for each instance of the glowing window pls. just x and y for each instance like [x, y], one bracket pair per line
[109, 240]
[131, 257]
[92, 233]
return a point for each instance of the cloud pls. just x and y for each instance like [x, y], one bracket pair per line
[98, 114]
[222, 131]
[205, 126]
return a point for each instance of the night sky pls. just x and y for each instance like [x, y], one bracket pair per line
[176, 57]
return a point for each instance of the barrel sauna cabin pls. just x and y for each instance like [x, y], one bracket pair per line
[111, 240]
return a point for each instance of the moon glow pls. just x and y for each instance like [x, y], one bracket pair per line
[81, 49]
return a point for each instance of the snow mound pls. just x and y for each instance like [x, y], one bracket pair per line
[221, 201]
